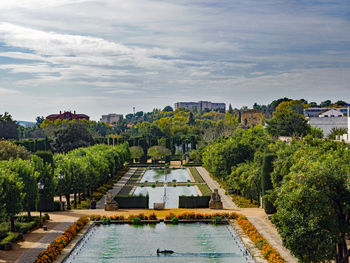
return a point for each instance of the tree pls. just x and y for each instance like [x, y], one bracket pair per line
[230, 110]
[8, 127]
[43, 165]
[337, 132]
[24, 170]
[39, 120]
[313, 207]
[158, 152]
[266, 184]
[326, 103]
[71, 136]
[168, 109]
[12, 196]
[316, 132]
[136, 152]
[10, 150]
[287, 122]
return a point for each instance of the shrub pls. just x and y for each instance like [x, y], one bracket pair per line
[217, 220]
[6, 243]
[175, 220]
[153, 217]
[136, 221]
[106, 221]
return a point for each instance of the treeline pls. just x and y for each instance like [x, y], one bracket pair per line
[305, 184]
[85, 169]
[82, 170]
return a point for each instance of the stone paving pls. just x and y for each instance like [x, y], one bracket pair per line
[117, 187]
[257, 218]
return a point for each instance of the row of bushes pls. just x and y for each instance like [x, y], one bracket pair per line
[139, 201]
[148, 164]
[241, 201]
[57, 246]
[141, 216]
[199, 216]
[267, 251]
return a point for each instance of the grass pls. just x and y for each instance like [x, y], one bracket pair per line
[205, 190]
[197, 177]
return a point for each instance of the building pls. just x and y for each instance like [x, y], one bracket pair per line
[111, 118]
[251, 118]
[315, 112]
[201, 105]
[67, 115]
[331, 113]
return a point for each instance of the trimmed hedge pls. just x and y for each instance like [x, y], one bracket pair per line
[194, 201]
[132, 201]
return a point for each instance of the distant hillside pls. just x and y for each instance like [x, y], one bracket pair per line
[26, 124]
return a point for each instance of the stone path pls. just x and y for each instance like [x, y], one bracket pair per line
[226, 200]
[117, 187]
[256, 216]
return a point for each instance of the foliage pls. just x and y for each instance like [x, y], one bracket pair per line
[312, 206]
[10, 150]
[72, 136]
[266, 183]
[158, 152]
[336, 132]
[8, 127]
[316, 132]
[287, 122]
[243, 202]
[136, 152]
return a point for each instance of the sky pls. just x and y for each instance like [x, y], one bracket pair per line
[108, 56]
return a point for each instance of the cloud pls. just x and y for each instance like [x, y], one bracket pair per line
[150, 52]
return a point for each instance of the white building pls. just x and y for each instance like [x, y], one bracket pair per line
[111, 118]
[201, 105]
[331, 113]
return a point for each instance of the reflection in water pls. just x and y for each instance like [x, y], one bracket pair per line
[156, 194]
[191, 243]
[153, 175]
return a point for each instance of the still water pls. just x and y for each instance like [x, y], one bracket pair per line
[135, 244]
[165, 175]
[169, 195]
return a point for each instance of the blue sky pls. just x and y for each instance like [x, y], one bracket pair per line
[103, 56]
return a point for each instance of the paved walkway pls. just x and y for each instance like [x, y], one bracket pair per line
[256, 216]
[117, 187]
[226, 200]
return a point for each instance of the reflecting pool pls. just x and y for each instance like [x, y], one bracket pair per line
[165, 175]
[134, 244]
[171, 194]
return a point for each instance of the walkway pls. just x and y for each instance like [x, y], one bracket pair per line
[226, 200]
[116, 188]
[256, 216]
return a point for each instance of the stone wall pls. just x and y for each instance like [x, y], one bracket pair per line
[251, 118]
[328, 123]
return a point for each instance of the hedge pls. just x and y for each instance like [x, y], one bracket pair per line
[194, 201]
[132, 201]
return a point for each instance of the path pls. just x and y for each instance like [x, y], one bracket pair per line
[226, 200]
[117, 187]
[256, 216]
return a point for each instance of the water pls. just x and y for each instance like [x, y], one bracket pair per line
[165, 175]
[191, 243]
[156, 194]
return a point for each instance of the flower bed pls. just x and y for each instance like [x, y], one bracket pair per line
[198, 216]
[267, 251]
[56, 247]
[122, 218]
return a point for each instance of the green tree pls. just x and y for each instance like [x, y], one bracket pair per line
[24, 170]
[316, 132]
[168, 109]
[287, 122]
[71, 136]
[266, 184]
[12, 196]
[337, 132]
[158, 152]
[8, 127]
[313, 207]
[10, 150]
